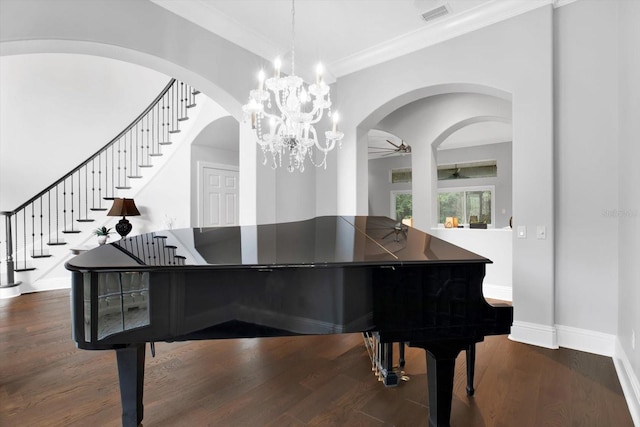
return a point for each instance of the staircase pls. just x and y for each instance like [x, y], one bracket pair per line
[62, 211]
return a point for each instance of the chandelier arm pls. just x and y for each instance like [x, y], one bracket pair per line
[319, 117]
[327, 149]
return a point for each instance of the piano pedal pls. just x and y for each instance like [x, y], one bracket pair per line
[153, 348]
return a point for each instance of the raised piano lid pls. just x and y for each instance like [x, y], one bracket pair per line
[317, 242]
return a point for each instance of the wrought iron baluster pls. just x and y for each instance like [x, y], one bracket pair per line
[41, 229]
[71, 202]
[57, 216]
[49, 215]
[93, 183]
[64, 206]
[24, 238]
[33, 230]
[118, 167]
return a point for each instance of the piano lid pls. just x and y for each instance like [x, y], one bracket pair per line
[321, 241]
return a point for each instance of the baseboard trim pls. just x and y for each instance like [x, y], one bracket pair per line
[534, 334]
[504, 293]
[10, 291]
[628, 381]
[586, 340]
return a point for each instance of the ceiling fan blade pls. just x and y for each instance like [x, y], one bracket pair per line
[397, 146]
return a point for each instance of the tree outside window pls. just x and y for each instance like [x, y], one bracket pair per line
[401, 205]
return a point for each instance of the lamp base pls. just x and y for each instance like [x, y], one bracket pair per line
[123, 227]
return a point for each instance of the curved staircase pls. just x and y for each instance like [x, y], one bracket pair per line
[68, 207]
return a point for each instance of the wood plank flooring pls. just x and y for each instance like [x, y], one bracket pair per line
[292, 381]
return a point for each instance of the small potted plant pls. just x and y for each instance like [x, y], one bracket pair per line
[103, 234]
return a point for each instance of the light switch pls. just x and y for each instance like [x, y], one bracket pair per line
[541, 232]
[522, 231]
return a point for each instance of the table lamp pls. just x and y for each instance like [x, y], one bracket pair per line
[123, 207]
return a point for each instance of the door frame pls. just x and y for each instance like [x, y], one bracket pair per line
[199, 199]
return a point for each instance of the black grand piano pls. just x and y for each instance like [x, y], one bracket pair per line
[327, 275]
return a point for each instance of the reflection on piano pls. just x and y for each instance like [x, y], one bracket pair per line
[327, 275]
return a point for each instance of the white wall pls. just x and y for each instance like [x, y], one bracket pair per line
[586, 110]
[58, 109]
[629, 197]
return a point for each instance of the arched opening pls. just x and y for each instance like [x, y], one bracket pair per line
[450, 126]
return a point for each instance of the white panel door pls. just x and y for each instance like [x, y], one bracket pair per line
[220, 197]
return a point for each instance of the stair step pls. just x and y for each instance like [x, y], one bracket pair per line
[175, 131]
[56, 243]
[20, 270]
[97, 209]
[170, 247]
[108, 198]
[159, 237]
[85, 220]
[155, 154]
[71, 231]
[122, 187]
[134, 176]
[40, 256]
[182, 119]
[180, 257]
[145, 166]
[195, 92]
[165, 143]
[191, 105]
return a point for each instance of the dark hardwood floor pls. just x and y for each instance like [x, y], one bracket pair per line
[297, 381]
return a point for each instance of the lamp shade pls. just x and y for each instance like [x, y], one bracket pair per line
[123, 207]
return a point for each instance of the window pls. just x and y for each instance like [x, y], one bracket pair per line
[401, 205]
[483, 169]
[472, 204]
[400, 175]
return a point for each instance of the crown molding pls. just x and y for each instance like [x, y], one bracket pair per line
[211, 19]
[446, 29]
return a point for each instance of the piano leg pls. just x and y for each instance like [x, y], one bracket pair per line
[441, 363]
[471, 363]
[131, 376]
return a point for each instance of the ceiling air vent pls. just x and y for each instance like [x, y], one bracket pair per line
[435, 13]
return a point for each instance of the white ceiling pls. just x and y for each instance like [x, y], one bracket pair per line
[345, 35]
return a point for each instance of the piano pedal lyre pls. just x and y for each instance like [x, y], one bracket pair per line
[381, 355]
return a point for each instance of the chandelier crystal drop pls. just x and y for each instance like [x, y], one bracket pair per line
[288, 130]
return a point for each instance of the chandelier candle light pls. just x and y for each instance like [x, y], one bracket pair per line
[291, 127]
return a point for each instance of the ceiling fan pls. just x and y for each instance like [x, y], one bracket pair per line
[456, 174]
[388, 151]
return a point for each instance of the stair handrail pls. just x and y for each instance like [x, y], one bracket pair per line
[97, 153]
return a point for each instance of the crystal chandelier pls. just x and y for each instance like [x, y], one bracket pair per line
[290, 129]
